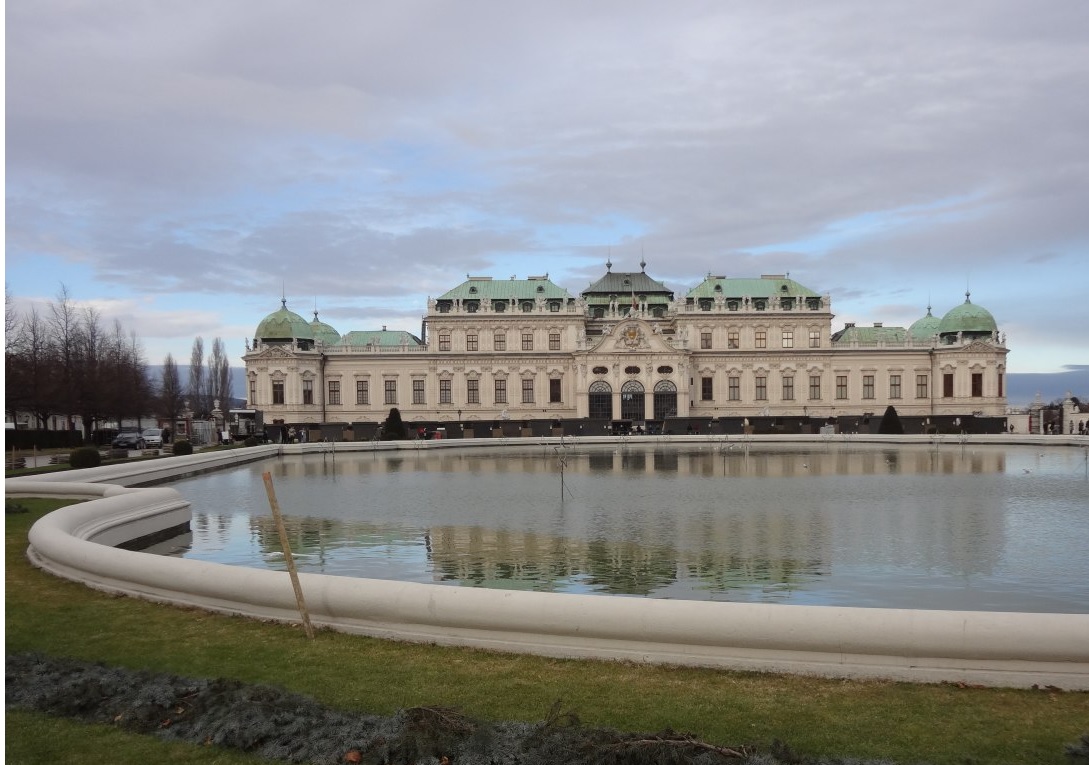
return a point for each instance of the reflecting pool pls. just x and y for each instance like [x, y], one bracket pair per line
[947, 526]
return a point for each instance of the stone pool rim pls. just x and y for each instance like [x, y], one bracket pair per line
[82, 542]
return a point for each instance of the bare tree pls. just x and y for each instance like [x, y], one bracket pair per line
[65, 328]
[64, 361]
[170, 391]
[92, 364]
[11, 318]
[196, 379]
[140, 387]
[219, 374]
[32, 383]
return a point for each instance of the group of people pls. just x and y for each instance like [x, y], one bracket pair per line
[1057, 429]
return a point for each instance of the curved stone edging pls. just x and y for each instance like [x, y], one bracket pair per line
[993, 648]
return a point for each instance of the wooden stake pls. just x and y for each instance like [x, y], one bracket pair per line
[282, 530]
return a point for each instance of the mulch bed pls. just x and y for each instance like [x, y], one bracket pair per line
[278, 725]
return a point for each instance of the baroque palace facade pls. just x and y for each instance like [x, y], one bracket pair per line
[628, 352]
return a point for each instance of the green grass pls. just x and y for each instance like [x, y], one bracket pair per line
[941, 724]
[34, 738]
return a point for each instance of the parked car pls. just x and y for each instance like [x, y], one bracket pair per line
[153, 437]
[128, 439]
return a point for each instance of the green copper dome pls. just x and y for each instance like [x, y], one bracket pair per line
[969, 319]
[323, 332]
[925, 328]
[283, 325]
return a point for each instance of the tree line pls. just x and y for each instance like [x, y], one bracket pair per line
[66, 361]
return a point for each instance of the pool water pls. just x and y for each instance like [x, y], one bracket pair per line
[946, 526]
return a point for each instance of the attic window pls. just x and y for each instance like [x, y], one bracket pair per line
[783, 288]
[718, 288]
[472, 290]
[540, 288]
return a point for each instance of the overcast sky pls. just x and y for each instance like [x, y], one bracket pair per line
[180, 165]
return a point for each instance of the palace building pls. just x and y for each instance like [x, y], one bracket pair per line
[525, 356]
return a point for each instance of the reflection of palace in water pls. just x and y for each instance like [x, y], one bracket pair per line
[716, 457]
[739, 539]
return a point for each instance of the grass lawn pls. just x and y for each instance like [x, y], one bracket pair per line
[940, 724]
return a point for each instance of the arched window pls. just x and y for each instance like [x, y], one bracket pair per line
[665, 400]
[632, 405]
[601, 400]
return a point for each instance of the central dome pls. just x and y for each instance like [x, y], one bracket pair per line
[972, 320]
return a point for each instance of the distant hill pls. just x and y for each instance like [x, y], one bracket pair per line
[1022, 387]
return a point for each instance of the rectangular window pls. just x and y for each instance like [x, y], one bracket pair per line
[921, 385]
[527, 391]
[527, 341]
[334, 392]
[867, 386]
[705, 340]
[977, 385]
[253, 393]
[554, 394]
[735, 388]
[418, 392]
[446, 394]
[788, 338]
[308, 391]
[841, 387]
[472, 391]
[391, 391]
[733, 340]
[1001, 385]
[814, 338]
[444, 342]
[788, 388]
[894, 386]
[362, 392]
[277, 391]
[471, 343]
[761, 388]
[707, 389]
[947, 385]
[500, 341]
[814, 387]
[500, 391]
[553, 341]
[761, 338]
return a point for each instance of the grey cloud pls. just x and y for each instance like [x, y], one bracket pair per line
[241, 140]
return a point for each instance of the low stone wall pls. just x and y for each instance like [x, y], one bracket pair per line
[993, 648]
